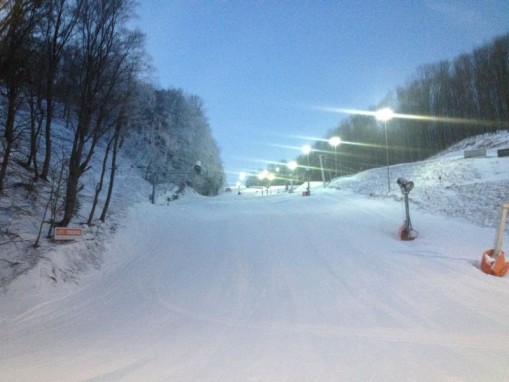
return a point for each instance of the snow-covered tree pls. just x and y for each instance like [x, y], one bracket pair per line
[168, 135]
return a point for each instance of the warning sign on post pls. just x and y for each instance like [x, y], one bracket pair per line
[64, 233]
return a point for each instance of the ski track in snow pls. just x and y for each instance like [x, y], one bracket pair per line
[279, 288]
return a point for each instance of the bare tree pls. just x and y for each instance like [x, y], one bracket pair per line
[94, 68]
[129, 64]
[52, 203]
[115, 140]
[132, 65]
[60, 19]
[15, 43]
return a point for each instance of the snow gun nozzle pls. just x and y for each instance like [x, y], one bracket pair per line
[405, 185]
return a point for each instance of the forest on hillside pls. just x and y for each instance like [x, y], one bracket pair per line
[441, 104]
[75, 65]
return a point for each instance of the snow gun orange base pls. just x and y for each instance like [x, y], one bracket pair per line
[496, 266]
[406, 233]
[493, 260]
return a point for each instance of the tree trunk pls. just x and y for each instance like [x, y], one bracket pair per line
[8, 134]
[71, 195]
[73, 178]
[35, 132]
[47, 135]
[112, 175]
[99, 185]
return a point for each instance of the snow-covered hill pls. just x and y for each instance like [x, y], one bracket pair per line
[280, 287]
[23, 210]
[448, 184]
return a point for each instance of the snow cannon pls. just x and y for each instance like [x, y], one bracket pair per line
[406, 232]
[493, 260]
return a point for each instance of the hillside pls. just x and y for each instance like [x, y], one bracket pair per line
[23, 209]
[160, 147]
[447, 184]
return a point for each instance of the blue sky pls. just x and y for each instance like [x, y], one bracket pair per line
[263, 67]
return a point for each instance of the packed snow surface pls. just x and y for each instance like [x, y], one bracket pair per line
[282, 287]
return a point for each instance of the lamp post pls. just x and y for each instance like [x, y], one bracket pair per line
[386, 114]
[292, 165]
[276, 175]
[306, 149]
[270, 178]
[242, 176]
[261, 176]
[335, 141]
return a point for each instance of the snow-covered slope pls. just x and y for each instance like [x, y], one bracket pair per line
[23, 210]
[448, 184]
[282, 288]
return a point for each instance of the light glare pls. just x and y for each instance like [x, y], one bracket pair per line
[306, 149]
[334, 141]
[384, 114]
[431, 118]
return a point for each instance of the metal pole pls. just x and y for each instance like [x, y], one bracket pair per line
[501, 229]
[309, 177]
[407, 212]
[321, 168]
[336, 160]
[387, 158]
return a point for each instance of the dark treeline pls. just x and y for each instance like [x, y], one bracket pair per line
[76, 63]
[464, 97]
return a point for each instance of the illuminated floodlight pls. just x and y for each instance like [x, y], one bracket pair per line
[385, 114]
[292, 165]
[306, 149]
[334, 141]
[415, 117]
[271, 176]
[242, 176]
[262, 175]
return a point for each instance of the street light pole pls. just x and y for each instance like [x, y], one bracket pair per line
[242, 176]
[387, 158]
[292, 165]
[270, 178]
[306, 150]
[386, 114]
[335, 141]
[261, 176]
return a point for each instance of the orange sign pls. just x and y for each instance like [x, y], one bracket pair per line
[64, 233]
